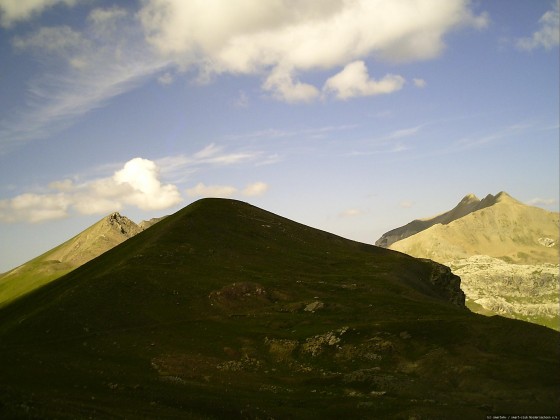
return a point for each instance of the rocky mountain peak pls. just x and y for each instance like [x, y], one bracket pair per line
[123, 224]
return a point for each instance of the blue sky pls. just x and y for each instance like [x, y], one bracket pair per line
[350, 116]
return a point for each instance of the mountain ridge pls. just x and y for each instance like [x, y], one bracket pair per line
[224, 310]
[499, 226]
[467, 205]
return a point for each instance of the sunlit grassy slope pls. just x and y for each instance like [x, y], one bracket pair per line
[223, 310]
[92, 242]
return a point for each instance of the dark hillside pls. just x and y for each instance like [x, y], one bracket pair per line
[224, 310]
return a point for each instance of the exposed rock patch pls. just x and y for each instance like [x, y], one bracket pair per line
[447, 283]
[526, 292]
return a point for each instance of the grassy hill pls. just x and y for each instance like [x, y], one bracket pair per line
[93, 241]
[223, 310]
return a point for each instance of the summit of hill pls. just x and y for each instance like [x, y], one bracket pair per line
[225, 310]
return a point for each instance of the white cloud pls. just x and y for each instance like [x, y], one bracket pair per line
[34, 208]
[283, 88]
[141, 177]
[13, 11]
[419, 83]
[225, 191]
[548, 35]
[136, 184]
[354, 81]
[279, 39]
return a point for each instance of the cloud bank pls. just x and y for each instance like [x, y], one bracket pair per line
[136, 184]
[284, 38]
[226, 191]
[279, 41]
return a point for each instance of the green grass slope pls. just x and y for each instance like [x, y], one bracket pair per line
[223, 310]
[85, 246]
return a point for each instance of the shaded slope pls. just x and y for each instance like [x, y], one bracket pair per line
[223, 310]
[93, 241]
[506, 229]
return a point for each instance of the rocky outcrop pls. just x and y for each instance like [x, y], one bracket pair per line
[527, 292]
[123, 225]
[447, 284]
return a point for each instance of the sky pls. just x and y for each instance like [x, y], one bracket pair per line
[351, 116]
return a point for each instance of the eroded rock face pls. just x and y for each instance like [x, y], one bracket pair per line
[527, 292]
[123, 224]
[447, 283]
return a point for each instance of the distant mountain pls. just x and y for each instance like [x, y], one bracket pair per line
[498, 226]
[92, 242]
[145, 224]
[506, 253]
[467, 205]
[224, 310]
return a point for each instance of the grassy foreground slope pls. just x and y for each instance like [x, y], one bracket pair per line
[223, 310]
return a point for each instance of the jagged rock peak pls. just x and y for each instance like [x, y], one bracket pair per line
[123, 224]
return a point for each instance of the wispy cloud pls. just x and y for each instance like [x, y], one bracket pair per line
[118, 49]
[548, 34]
[471, 142]
[225, 191]
[82, 71]
[15, 11]
[180, 167]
